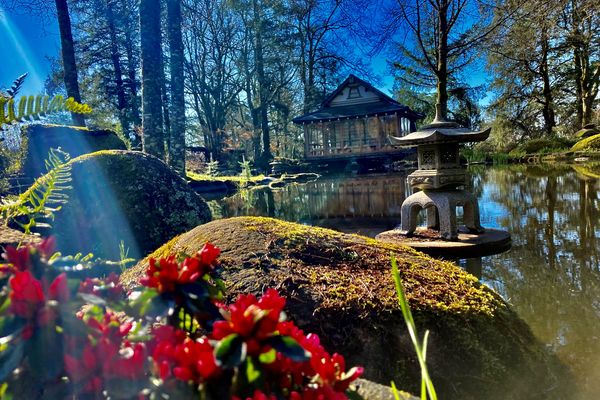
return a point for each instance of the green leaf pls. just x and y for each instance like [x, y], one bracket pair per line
[230, 351]
[92, 299]
[252, 373]
[289, 347]
[10, 359]
[268, 357]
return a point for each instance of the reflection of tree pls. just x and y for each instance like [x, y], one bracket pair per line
[326, 199]
[552, 273]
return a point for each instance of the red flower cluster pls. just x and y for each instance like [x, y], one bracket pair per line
[105, 354]
[28, 298]
[109, 288]
[166, 274]
[253, 319]
[327, 374]
[322, 376]
[21, 259]
[177, 355]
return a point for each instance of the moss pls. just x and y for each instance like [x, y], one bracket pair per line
[542, 145]
[234, 178]
[588, 170]
[587, 144]
[339, 286]
[125, 196]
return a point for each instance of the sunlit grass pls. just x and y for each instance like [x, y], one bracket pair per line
[232, 178]
[420, 347]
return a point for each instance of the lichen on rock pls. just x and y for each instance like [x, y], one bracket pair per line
[340, 287]
[124, 196]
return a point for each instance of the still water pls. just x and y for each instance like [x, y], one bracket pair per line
[551, 275]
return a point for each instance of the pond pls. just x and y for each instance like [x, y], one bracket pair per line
[551, 276]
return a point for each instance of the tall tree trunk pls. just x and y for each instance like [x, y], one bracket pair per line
[132, 78]
[177, 142]
[116, 62]
[442, 64]
[266, 156]
[548, 103]
[68, 56]
[151, 55]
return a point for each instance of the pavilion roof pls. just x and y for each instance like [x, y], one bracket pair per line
[385, 106]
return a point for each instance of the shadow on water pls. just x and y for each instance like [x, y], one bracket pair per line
[551, 276]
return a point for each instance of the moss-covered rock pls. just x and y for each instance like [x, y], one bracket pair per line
[39, 139]
[340, 287]
[542, 145]
[591, 143]
[12, 237]
[125, 196]
[587, 131]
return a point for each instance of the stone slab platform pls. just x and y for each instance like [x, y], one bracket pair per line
[492, 241]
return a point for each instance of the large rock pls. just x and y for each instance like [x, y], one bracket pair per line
[39, 139]
[587, 131]
[591, 143]
[124, 196]
[340, 287]
[13, 237]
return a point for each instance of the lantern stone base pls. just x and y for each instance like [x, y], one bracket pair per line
[467, 245]
[441, 212]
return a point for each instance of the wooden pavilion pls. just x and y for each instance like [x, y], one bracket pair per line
[355, 121]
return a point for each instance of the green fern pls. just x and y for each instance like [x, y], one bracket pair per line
[30, 108]
[212, 167]
[43, 198]
[16, 86]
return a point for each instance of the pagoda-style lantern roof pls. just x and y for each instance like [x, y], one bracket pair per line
[441, 133]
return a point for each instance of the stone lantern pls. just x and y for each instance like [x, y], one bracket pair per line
[438, 180]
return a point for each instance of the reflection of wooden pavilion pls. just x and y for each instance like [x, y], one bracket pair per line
[356, 121]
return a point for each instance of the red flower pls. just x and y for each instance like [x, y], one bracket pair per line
[166, 274]
[176, 355]
[253, 319]
[26, 296]
[46, 247]
[59, 289]
[109, 288]
[106, 355]
[208, 254]
[20, 258]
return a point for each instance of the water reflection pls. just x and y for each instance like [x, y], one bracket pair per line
[552, 273]
[359, 204]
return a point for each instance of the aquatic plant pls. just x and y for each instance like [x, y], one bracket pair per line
[171, 337]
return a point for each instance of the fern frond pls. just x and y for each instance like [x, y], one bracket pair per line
[44, 198]
[16, 86]
[31, 108]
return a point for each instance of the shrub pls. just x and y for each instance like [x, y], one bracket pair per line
[169, 338]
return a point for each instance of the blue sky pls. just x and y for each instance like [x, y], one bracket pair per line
[25, 42]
